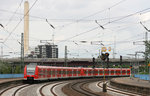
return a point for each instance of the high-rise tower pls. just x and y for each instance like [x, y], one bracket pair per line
[26, 27]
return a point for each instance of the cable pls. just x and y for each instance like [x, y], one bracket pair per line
[103, 25]
[14, 13]
[19, 22]
[79, 34]
[59, 20]
[127, 16]
[102, 10]
[94, 13]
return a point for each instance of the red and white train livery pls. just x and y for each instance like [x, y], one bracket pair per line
[38, 72]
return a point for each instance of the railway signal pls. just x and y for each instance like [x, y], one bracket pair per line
[120, 60]
[107, 57]
[121, 64]
[103, 57]
[93, 62]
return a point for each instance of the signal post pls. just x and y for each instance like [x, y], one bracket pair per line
[105, 56]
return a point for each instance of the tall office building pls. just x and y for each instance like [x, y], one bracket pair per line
[46, 51]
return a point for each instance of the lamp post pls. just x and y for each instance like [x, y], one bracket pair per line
[132, 71]
[146, 40]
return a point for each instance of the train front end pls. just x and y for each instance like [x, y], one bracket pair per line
[30, 72]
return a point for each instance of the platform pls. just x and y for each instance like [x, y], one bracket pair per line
[132, 84]
[5, 80]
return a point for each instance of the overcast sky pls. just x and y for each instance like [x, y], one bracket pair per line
[74, 21]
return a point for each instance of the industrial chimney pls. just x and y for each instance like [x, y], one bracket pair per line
[26, 27]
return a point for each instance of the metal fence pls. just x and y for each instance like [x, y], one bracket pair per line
[142, 76]
[11, 75]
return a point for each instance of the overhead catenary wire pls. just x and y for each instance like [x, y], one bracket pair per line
[102, 10]
[145, 27]
[19, 22]
[105, 24]
[94, 13]
[106, 28]
[59, 20]
[14, 13]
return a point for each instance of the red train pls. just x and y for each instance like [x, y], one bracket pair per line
[37, 72]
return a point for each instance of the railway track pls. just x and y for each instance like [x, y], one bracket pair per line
[117, 90]
[80, 88]
[12, 91]
[51, 89]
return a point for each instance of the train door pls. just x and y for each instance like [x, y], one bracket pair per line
[100, 72]
[64, 73]
[95, 72]
[90, 72]
[79, 72]
[44, 72]
[118, 72]
[74, 72]
[53, 72]
[112, 72]
[36, 72]
[69, 71]
[39, 73]
[106, 72]
[82, 72]
[58, 73]
[128, 71]
[48, 73]
[123, 71]
[86, 72]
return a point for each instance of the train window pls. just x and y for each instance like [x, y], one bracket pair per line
[90, 71]
[95, 71]
[78, 72]
[112, 71]
[59, 71]
[124, 71]
[64, 72]
[43, 70]
[50, 72]
[106, 71]
[70, 72]
[53, 72]
[118, 71]
[31, 69]
[128, 71]
[74, 71]
[100, 72]
[39, 70]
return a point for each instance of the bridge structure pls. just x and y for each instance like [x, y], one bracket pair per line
[75, 62]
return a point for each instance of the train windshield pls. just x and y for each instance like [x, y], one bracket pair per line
[31, 69]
